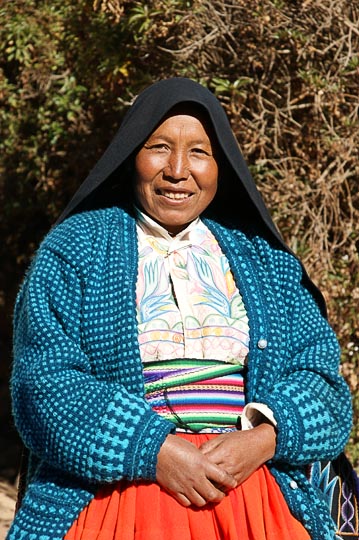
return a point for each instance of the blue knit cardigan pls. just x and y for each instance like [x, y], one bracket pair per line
[77, 384]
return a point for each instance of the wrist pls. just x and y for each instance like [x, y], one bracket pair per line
[268, 437]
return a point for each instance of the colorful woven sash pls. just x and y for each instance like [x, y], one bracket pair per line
[196, 395]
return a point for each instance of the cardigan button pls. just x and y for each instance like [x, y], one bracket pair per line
[262, 344]
[293, 484]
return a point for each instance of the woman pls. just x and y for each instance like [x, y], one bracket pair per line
[161, 303]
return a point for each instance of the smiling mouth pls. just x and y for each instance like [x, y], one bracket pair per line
[174, 195]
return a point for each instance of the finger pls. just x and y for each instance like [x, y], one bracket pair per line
[225, 487]
[207, 494]
[182, 499]
[195, 498]
[241, 477]
[220, 477]
[199, 499]
[209, 446]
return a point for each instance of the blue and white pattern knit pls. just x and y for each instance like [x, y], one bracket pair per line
[77, 384]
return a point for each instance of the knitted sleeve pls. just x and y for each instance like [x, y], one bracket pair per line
[309, 398]
[69, 418]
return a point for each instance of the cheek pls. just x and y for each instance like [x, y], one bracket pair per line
[212, 184]
[142, 192]
[148, 165]
[142, 179]
[211, 192]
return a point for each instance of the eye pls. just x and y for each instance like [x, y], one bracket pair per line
[158, 147]
[200, 151]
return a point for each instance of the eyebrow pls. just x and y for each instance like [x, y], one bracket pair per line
[168, 139]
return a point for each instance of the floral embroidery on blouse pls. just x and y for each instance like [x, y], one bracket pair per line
[188, 305]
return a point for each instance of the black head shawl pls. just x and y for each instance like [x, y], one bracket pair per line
[238, 202]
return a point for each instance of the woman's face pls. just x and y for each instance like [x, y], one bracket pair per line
[176, 172]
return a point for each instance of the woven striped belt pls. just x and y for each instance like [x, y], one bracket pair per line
[196, 395]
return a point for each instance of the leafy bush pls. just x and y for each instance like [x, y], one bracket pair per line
[287, 73]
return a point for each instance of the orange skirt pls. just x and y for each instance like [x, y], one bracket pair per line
[255, 510]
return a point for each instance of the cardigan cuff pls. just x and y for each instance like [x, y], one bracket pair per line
[255, 414]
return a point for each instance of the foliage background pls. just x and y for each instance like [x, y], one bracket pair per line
[287, 72]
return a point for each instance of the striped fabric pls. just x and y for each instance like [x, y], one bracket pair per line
[197, 395]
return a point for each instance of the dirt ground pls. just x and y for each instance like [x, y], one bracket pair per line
[10, 452]
[7, 506]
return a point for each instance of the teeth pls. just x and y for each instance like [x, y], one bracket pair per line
[172, 195]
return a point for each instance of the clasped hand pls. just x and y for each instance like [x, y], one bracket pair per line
[202, 475]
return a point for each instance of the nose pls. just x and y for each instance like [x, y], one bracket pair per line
[177, 166]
